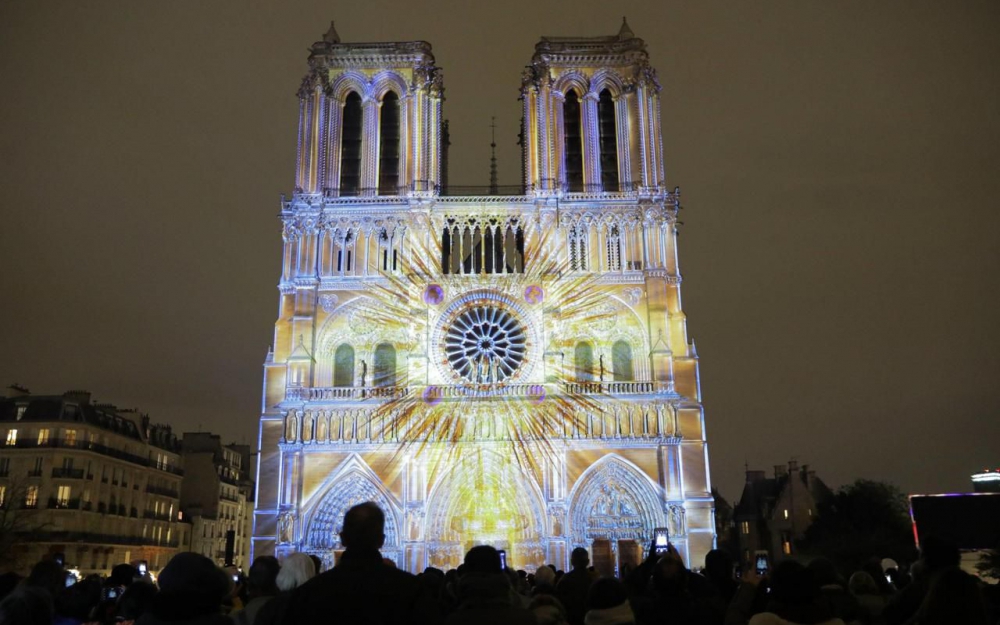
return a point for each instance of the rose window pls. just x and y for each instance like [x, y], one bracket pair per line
[485, 344]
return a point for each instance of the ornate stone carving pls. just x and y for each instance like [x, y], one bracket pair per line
[328, 301]
[632, 295]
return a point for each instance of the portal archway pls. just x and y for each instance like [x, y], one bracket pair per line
[485, 499]
[614, 501]
[353, 485]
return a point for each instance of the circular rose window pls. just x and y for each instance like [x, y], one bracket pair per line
[485, 344]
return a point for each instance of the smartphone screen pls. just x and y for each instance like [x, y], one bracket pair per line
[761, 564]
[142, 568]
[503, 558]
[661, 540]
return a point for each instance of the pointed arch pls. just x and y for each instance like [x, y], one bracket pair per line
[352, 129]
[389, 144]
[489, 499]
[607, 79]
[614, 500]
[607, 130]
[573, 141]
[571, 81]
[384, 82]
[353, 483]
[347, 82]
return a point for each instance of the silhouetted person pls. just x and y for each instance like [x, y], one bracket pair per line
[134, 602]
[485, 595]
[361, 588]
[834, 590]
[608, 604]
[261, 588]
[573, 587]
[795, 599]
[936, 555]
[719, 572]
[27, 605]
[192, 589]
[954, 597]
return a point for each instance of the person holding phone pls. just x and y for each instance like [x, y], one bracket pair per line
[794, 598]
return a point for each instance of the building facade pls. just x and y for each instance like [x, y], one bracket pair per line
[511, 369]
[99, 484]
[217, 498]
[775, 512]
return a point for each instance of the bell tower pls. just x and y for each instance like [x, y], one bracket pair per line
[592, 115]
[369, 119]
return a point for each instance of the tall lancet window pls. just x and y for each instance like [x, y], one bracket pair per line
[350, 148]
[343, 366]
[388, 149]
[607, 127]
[573, 142]
[385, 365]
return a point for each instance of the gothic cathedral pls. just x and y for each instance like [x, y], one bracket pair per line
[505, 366]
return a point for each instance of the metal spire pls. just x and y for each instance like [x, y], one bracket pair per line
[494, 189]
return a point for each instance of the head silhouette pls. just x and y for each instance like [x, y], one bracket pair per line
[364, 527]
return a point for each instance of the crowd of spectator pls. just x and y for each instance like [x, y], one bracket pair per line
[365, 588]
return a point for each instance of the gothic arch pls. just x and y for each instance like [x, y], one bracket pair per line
[386, 81]
[499, 486]
[614, 500]
[607, 79]
[347, 82]
[352, 484]
[569, 81]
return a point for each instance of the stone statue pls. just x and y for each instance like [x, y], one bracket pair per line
[285, 528]
[364, 372]
[602, 367]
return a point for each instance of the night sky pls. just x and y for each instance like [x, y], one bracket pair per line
[839, 165]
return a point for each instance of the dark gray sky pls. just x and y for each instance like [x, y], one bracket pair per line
[839, 164]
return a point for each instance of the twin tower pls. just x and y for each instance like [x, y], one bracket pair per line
[505, 369]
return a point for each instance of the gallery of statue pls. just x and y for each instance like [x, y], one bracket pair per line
[506, 366]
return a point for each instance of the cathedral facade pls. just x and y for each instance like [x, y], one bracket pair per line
[505, 368]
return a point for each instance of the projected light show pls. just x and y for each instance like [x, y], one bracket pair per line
[502, 366]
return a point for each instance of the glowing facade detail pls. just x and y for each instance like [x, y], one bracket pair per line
[503, 369]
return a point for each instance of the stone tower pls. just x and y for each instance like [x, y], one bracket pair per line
[503, 369]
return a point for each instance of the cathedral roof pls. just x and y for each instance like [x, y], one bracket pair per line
[621, 42]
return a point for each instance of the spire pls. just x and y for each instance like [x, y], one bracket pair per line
[331, 35]
[493, 156]
[624, 33]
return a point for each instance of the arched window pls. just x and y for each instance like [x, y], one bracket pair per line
[385, 365]
[388, 149]
[573, 148]
[343, 366]
[446, 250]
[350, 146]
[621, 361]
[607, 128]
[583, 361]
[614, 249]
[578, 248]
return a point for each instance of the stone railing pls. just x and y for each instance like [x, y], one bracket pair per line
[470, 391]
[539, 418]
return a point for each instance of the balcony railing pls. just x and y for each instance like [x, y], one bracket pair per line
[467, 391]
[104, 450]
[35, 473]
[64, 504]
[162, 490]
[96, 539]
[62, 472]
